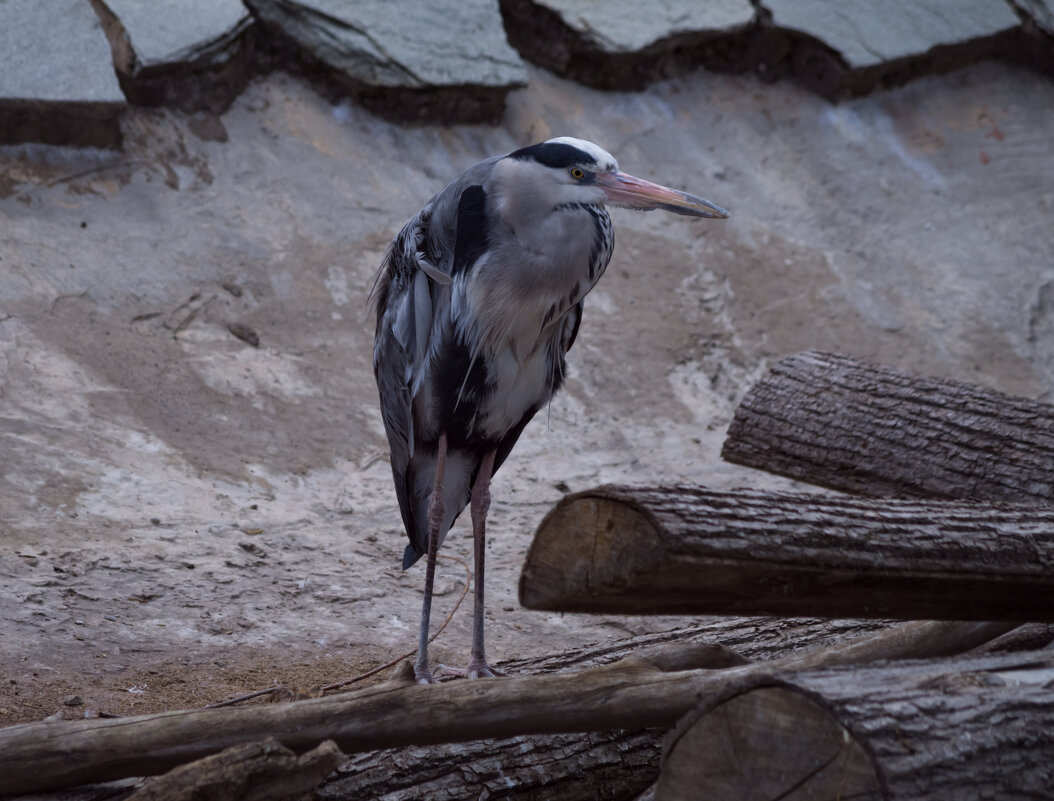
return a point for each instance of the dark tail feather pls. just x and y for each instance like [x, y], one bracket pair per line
[411, 555]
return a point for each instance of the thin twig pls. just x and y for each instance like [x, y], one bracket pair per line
[92, 170]
[468, 583]
[240, 698]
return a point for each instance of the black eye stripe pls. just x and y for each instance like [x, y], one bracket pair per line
[554, 154]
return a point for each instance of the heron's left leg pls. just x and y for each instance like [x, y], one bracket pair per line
[477, 662]
[436, 510]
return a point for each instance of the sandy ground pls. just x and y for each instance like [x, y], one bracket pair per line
[185, 517]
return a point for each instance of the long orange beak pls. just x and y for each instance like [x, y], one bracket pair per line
[636, 193]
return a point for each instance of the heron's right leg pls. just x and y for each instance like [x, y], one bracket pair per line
[436, 512]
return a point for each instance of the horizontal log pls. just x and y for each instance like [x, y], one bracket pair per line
[689, 550]
[44, 756]
[863, 428]
[261, 771]
[956, 729]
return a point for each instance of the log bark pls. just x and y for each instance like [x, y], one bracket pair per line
[43, 756]
[263, 771]
[689, 550]
[863, 428]
[951, 729]
[613, 765]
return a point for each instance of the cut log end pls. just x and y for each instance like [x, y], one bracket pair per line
[769, 742]
[586, 542]
[915, 730]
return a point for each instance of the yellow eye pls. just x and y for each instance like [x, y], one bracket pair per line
[578, 173]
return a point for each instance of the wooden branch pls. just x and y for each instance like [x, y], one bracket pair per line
[863, 428]
[688, 550]
[43, 756]
[261, 771]
[951, 729]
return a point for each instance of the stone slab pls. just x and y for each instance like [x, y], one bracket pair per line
[627, 45]
[191, 54]
[870, 34]
[406, 58]
[1041, 12]
[57, 83]
[629, 25]
[54, 52]
[163, 32]
[408, 43]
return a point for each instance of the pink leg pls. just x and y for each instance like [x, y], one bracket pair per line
[477, 662]
[422, 672]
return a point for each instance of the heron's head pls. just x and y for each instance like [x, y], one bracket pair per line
[567, 170]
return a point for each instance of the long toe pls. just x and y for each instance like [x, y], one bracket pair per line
[481, 670]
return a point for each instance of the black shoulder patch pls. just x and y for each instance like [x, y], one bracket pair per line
[471, 241]
[554, 154]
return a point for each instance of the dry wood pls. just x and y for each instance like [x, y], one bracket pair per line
[846, 424]
[949, 729]
[42, 756]
[557, 767]
[261, 771]
[689, 550]
[575, 767]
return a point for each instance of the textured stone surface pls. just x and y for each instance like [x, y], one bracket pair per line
[1041, 12]
[626, 45]
[452, 62]
[57, 83]
[192, 54]
[163, 32]
[628, 25]
[867, 34]
[405, 58]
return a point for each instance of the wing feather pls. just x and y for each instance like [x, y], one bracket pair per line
[411, 296]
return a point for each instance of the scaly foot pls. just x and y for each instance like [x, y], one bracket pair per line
[424, 675]
[477, 669]
[481, 670]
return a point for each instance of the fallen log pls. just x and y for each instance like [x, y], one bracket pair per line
[555, 767]
[582, 766]
[689, 550]
[950, 729]
[261, 771]
[44, 756]
[838, 422]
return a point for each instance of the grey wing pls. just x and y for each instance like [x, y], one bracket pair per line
[412, 298]
[406, 299]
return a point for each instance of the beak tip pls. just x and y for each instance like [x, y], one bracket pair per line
[713, 211]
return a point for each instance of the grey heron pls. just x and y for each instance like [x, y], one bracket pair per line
[478, 300]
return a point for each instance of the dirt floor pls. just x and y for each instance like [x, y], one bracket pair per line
[186, 516]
